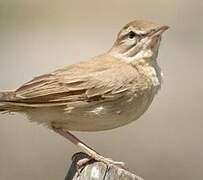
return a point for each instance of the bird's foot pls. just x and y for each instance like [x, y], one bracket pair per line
[96, 157]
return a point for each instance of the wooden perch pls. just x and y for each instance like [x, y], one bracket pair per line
[97, 171]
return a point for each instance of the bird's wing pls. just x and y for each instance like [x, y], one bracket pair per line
[99, 79]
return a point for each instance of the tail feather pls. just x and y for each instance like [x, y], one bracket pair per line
[8, 108]
[3, 108]
[5, 97]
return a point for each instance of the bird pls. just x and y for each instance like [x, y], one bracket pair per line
[101, 93]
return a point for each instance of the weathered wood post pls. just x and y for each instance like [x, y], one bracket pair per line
[97, 171]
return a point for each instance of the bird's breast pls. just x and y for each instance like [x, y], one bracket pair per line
[153, 74]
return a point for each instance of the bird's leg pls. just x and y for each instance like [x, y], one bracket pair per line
[92, 153]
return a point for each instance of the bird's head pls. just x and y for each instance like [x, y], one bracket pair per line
[138, 40]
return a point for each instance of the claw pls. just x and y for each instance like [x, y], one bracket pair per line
[107, 161]
[81, 163]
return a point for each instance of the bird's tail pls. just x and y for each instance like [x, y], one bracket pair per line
[5, 97]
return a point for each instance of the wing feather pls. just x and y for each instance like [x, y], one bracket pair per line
[98, 79]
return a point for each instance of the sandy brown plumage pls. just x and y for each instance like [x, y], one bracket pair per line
[103, 81]
[101, 93]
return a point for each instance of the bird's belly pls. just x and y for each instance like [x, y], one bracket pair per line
[95, 117]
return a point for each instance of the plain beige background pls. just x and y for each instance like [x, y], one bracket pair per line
[37, 36]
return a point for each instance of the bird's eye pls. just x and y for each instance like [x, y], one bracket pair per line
[131, 35]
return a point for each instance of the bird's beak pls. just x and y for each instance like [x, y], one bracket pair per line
[158, 31]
